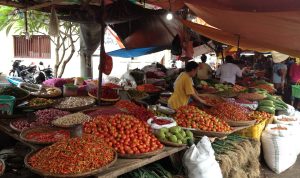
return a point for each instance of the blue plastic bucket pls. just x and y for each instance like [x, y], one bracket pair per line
[7, 104]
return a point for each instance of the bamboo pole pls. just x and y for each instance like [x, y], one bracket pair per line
[102, 52]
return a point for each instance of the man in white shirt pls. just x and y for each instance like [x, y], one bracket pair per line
[229, 71]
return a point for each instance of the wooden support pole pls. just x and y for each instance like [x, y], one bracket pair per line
[102, 52]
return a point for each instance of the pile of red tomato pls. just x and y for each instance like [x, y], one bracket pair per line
[192, 117]
[135, 110]
[125, 133]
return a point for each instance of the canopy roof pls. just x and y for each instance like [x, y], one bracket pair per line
[260, 25]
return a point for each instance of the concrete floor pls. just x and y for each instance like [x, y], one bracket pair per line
[293, 172]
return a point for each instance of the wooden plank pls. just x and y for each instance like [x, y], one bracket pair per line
[123, 166]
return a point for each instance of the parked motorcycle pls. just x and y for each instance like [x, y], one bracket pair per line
[44, 74]
[30, 74]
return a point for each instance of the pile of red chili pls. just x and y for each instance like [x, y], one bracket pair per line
[73, 156]
[48, 137]
[107, 93]
[135, 110]
[150, 88]
[160, 121]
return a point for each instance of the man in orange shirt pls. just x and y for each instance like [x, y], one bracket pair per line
[183, 87]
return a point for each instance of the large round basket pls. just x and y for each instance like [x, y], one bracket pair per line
[24, 97]
[211, 96]
[241, 123]
[141, 155]
[48, 174]
[37, 129]
[37, 107]
[104, 99]
[75, 109]
[45, 95]
[13, 127]
[69, 126]
[3, 167]
[168, 143]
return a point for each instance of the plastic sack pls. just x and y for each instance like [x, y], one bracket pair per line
[288, 120]
[200, 161]
[279, 148]
[127, 81]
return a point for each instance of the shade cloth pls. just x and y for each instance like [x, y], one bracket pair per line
[134, 52]
[273, 28]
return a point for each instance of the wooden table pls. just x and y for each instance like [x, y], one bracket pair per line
[123, 166]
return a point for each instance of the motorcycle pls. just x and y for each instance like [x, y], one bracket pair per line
[43, 74]
[30, 74]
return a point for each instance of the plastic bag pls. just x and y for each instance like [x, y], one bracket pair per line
[127, 81]
[200, 161]
[279, 148]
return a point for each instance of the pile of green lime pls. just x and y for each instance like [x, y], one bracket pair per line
[174, 134]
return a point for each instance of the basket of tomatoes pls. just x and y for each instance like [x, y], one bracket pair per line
[129, 136]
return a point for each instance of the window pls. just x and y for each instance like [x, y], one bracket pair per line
[37, 46]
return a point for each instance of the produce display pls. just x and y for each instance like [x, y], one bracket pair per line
[149, 88]
[238, 88]
[229, 111]
[43, 118]
[158, 113]
[125, 133]
[135, 110]
[36, 102]
[268, 87]
[137, 94]
[71, 120]
[75, 102]
[160, 121]
[2, 167]
[192, 117]
[73, 156]
[271, 104]
[30, 87]
[227, 94]
[243, 101]
[222, 87]
[107, 93]
[104, 111]
[48, 137]
[210, 100]
[112, 85]
[48, 92]
[150, 171]
[175, 135]
[260, 116]
[251, 96]
[14, 91]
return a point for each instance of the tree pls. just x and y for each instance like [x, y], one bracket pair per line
[38, 23]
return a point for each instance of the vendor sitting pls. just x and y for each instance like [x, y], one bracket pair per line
[183, 87]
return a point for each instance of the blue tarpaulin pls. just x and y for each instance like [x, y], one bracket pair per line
[134, 52]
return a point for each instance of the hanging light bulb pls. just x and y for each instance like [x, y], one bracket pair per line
[169, 16]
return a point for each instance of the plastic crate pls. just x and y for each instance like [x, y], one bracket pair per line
[254, 131]
[7, 104]
[296, 91]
